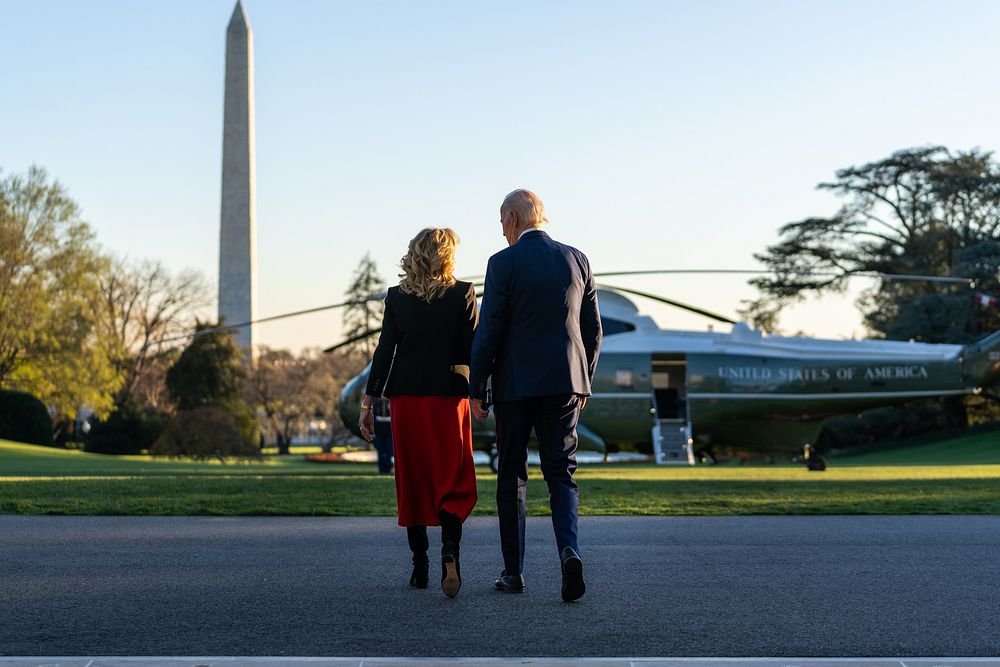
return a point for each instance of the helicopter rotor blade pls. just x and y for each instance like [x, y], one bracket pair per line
[827, 274]
[353, 339]
[478, 282]
[654, 297]
[272, 318]
[362, 336]
[670, 302]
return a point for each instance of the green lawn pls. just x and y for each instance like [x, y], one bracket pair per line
[976, 449]
[32, 461]
[39, 480]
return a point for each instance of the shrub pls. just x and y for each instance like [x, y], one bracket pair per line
[130, 429]
[205, 432]
[246, 422]
[873, 427]
[24, 418]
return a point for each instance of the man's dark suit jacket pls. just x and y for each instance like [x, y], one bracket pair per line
[540, 329]
[423, 349]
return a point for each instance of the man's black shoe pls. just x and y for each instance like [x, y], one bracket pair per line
[510, 583]
[573, 587]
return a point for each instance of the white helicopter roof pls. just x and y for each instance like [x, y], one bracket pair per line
[648, 337]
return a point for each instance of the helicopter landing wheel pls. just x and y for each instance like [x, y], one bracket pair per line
[813, 460]
[706, 456]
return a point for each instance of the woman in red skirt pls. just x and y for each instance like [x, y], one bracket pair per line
[422, 365]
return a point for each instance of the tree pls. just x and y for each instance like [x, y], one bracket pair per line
[293, 391]
[49, 343]
[926, 211]
[942, 315]
[277, 379]
[150, 388]
[365, 313]
[209, 372]
[921, 211]
[142, 306]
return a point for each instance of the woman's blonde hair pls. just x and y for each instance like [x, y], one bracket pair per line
[429, 264]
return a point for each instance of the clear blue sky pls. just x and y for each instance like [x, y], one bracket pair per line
[659, 134]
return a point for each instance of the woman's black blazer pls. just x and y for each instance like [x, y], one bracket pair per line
[424, 348]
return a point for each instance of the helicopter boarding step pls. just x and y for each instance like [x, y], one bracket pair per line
[672, 442]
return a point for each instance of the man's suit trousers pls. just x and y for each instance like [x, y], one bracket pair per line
[554, 420]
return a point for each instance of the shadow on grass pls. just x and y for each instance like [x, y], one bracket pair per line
[374, 495]
[718, 497]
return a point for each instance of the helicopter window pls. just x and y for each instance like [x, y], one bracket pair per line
[612, 327]
[624, 379]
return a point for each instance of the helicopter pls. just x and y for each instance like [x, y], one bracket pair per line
[678, 393]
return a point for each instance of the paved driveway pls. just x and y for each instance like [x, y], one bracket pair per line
[658, 586]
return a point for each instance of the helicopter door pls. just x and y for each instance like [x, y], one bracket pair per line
[671, 430]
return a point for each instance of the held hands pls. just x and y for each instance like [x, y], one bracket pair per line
[478, 410]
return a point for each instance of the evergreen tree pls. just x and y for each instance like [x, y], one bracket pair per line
[208, 374]
[365, 314]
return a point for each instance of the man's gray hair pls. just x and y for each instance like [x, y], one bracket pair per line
[528, 206]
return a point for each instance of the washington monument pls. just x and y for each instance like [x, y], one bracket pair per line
[237, 239]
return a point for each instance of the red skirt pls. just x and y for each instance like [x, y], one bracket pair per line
[432, 444]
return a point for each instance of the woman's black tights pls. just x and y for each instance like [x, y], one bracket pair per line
[451, 532]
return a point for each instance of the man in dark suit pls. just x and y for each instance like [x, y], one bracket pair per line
[383, 435]
[538, 340]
